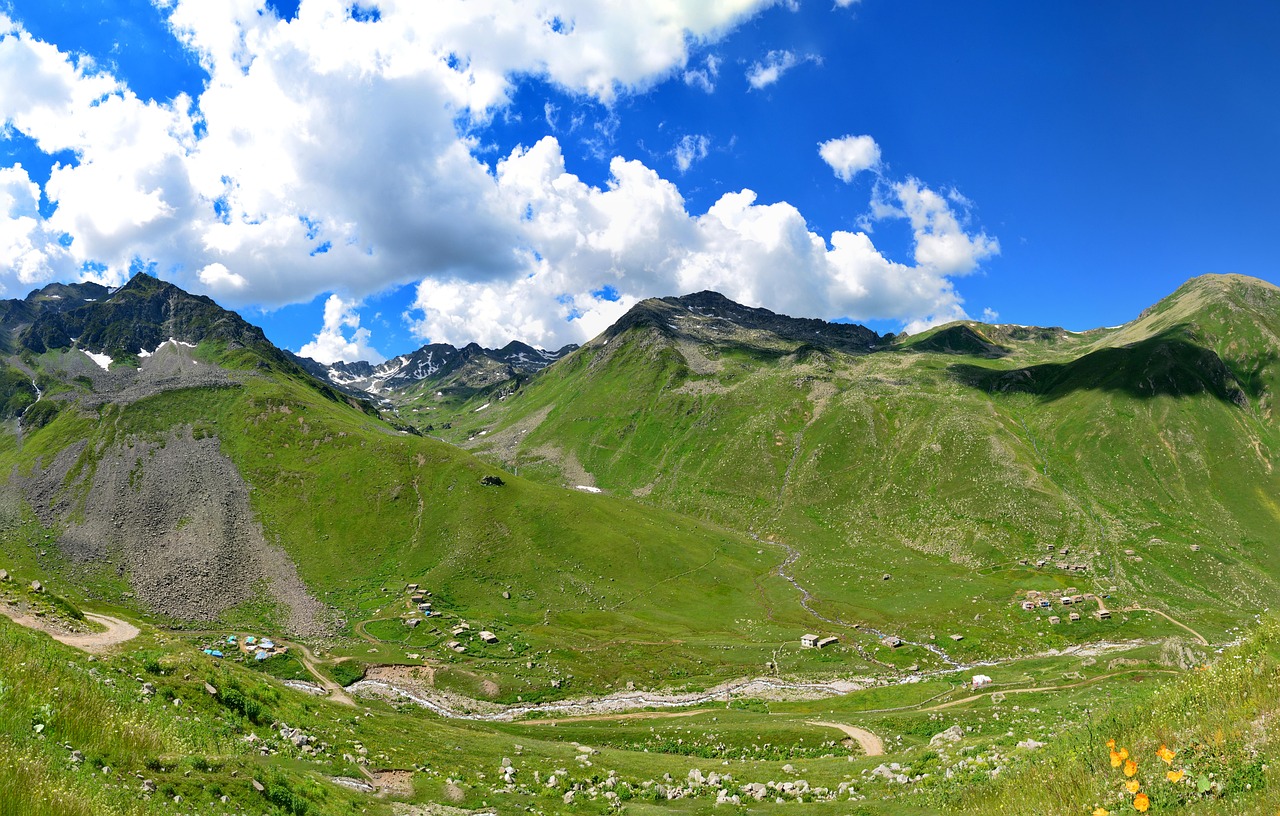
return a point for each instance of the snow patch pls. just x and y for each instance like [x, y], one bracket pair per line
[482, 407]
[101, 359]
[170, 342]
[588, 488]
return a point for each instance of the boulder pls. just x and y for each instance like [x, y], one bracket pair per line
[36, 586]
[953, 734]
[4, 575]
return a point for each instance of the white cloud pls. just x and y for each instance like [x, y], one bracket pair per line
[765, 72]
[26, 246]
[942, 243]
[850, 155]
[704, 77]
[328, 154]
[324, 132]
[221, 280]
[332, 343]
[689, 149]
[636, 235]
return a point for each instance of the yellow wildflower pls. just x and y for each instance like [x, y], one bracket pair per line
[1165, 754]
[1130, 767]
[1133, 785]
[1174, 776]
[1141, 802]
[1101, 811]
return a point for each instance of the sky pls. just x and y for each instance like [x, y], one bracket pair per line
[363, 178]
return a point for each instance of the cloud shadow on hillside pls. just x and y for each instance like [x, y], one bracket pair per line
[1168, 364]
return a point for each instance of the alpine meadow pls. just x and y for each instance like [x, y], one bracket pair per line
[715, 557]
[749, 407]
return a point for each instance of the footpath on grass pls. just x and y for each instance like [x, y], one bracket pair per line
[115, 631]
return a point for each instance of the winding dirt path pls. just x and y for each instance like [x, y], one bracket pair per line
[1174, 621]
[309, 661]
[1034, 689]
[871, 744]
[115, 631]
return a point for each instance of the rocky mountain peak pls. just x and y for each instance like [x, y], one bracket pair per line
[710, 317]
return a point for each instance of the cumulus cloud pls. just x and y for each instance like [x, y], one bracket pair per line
[689, 149]
[221, 280]
[636, 235]
[705, 76]
[765, 72]
[332, 343]
[27, 247]
[330, 153]
[336, 154]
[850, 155]
[941, 241]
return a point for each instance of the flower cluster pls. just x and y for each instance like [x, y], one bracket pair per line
[1141, 801]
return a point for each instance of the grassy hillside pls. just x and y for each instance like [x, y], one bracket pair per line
[162, 729]
[946, 459]
[599, 589]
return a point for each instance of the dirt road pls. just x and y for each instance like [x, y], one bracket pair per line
[115, 631]
[1203, 641]
[1038, 689]
[309, 661]
[871, 744]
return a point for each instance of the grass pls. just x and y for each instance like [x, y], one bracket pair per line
[892, 462]
[843, 468]
[1215, 718]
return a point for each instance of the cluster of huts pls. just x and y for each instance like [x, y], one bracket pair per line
[1069, 597]
[1059, 562]
[418, 597]
[256, 647]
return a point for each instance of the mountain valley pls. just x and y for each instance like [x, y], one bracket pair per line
[585, 580]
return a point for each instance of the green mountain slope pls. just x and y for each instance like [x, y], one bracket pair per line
[210, 480]
[1124, 447]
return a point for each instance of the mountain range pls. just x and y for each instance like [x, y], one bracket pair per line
[664, 510]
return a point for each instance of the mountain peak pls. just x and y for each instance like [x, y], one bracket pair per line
[140, 315]
[712, 318]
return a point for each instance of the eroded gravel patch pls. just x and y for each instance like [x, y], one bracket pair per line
[174, 515]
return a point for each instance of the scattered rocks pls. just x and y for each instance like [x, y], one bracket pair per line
[953, 734]
[1030, 744]
[175, 515]
[492, 481]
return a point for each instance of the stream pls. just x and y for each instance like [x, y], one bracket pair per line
[454, 706]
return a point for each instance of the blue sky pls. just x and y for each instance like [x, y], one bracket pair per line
[362, 179]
